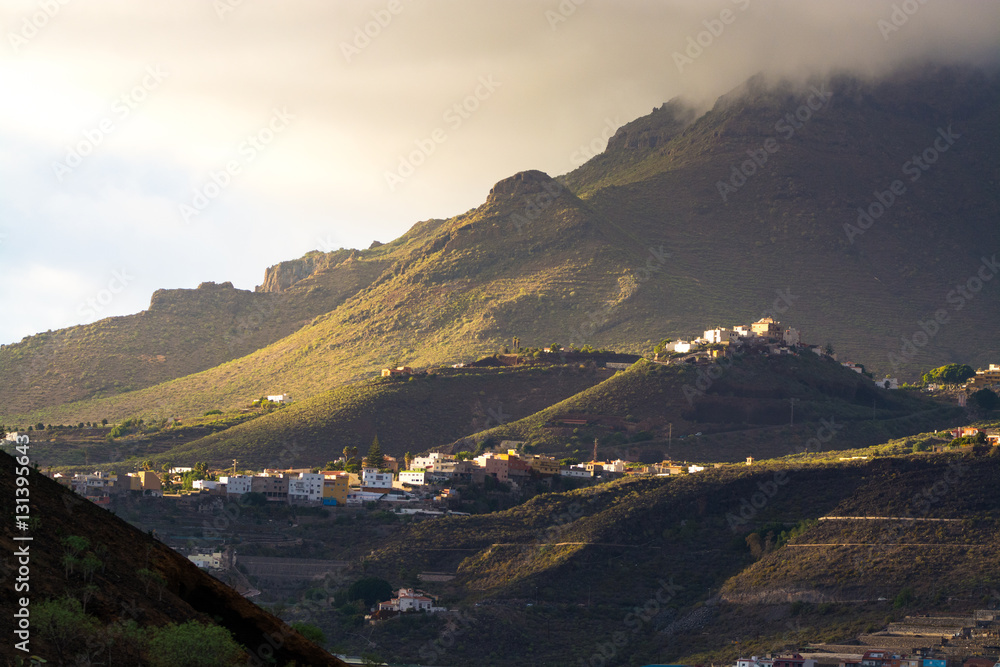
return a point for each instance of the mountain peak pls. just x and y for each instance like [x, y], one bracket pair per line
[522, 183]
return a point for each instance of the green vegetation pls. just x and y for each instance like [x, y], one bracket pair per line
[193, 644]
[949, 374]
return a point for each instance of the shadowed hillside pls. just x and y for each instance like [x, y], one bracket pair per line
[136, 578]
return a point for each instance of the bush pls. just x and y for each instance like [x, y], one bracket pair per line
[193, 645]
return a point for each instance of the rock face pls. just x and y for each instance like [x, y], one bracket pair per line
[280, 277]
[521, 184]
[653, 130]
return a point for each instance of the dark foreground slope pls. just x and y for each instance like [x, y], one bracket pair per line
[138, 579]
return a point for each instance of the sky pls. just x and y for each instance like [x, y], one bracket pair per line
[148, 145]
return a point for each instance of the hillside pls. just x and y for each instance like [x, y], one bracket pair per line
[744, 411]
[641, 244]
[662, 570]
[182, 332]
[408, 415]
[136, 578]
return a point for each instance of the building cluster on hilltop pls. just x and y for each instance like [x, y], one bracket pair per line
[765, 335]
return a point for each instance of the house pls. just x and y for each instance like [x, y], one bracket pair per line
[205, 484]
[543, 465]
[207, 561]
[398, 371]
[791, 337]
[963, 432]
[280, 398]
[681, 346]
[721, 335]
[888, 383]
[494, 465]
[754, 661]
[875, 658]
[274, 487]
[987, 377]
[372, 479]
[150, 482]
[857, 368]
[575, 471]
[237, 484]
[427, 462]
[390, 463]
[307, 487]
[414, 477]
[409, 599]
[336, 486]
[458, 471]
[518, 470]
[767, 329]
[794, 660]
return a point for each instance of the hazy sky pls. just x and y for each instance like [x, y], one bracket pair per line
[162, 144]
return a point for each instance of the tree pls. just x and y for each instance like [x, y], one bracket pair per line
[63, 624]
[375, 458]
[407, 460]
[661, 347]
[310, 632]
[986, 400]
[350, 453]
[370, 590]
[193, 645]
[949, 374]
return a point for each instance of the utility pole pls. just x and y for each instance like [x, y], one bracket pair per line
[234, 467]
[792, 402]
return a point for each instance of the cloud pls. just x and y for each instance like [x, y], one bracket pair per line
[564, 69]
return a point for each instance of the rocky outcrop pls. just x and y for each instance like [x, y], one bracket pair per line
[653, 130]
[280, 277]
[523, 183]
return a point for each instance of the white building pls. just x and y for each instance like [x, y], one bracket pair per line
[371, 478]
[574, 471]
[615, 466]
[426, 462]
[791, 336]
[888, 383]
[180, 470]
[206, 561]
[200, 484]
[681, 346]
[409, 599]
[237, 484]
[722, 335]
[415, 477]
[307, 486]
[280, 398]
